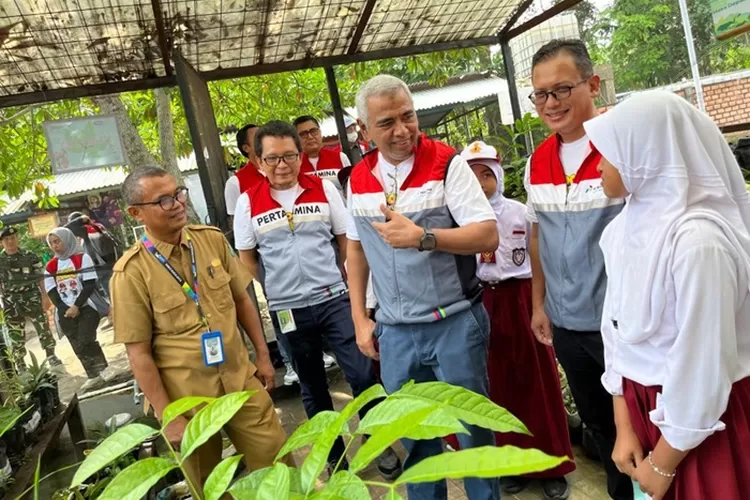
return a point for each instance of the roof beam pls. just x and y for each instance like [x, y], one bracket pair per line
[310, 63]
[164, 39]
[520, 10]
[363, 21]
[85, 91]
[508, 34]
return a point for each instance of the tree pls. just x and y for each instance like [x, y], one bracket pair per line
[644, 41]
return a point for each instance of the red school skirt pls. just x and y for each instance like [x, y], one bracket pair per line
[719, 468]
[523, 376]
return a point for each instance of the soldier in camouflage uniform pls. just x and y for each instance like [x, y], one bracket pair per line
[20, 278]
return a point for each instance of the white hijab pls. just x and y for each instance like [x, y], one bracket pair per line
[676, 166]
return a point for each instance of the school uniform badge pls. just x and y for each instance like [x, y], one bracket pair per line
[487, 258]
[519, 256]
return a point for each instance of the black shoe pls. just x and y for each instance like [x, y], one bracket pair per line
[344, 465]
[389, 465]
[555, 489]
[515, 484]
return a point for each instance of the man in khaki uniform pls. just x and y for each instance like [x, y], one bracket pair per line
[171, 334]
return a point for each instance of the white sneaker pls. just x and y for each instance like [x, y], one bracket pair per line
[92, 383]
[328, 360]
[108, 374]
[290, 377]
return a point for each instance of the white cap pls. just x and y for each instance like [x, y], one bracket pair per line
[348, 121]
[481, 152]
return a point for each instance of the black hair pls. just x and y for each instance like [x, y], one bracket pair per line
[575, 48]
[306, 118]
[132, 192]
[242, 138]
[276, 128]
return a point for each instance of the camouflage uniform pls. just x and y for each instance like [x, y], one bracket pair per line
[20, 275]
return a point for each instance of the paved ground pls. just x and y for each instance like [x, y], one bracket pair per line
[587, 482]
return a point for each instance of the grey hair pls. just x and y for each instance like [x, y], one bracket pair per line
[132, 191]
[378, 86]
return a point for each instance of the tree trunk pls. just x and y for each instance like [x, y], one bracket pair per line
[167, 147]
[138, 156]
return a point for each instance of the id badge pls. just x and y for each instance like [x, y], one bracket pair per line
[213, 348]
[286, 321]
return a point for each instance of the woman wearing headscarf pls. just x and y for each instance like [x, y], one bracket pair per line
[70, 279]
[522, 372]
[676, 320]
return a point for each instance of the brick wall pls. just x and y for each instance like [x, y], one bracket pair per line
[728, 103]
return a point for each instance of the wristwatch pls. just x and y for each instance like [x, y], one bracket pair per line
[427, 242]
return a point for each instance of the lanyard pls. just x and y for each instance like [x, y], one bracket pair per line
[191, 292]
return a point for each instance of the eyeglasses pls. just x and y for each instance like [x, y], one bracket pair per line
[309, 133]
[562, 92]
[273, 161]
[167, 202]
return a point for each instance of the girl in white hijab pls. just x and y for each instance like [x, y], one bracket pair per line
[522, 372]
[676, 320]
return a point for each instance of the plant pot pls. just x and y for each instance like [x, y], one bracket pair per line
[15, 445]
[48, 399]
[32, 420]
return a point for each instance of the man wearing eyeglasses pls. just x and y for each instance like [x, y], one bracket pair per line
[290, 220]
[569, 211]
[177, 296]
[315, 160]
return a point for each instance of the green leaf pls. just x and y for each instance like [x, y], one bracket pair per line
[439, 423]
[465, 405]
[36, 477]
[344, 485]
[218, 482]
[387, 435]
[209, 420]
[275, 485]
[177, 408]
[247, 487]
[487, 461]
[10, 416]
[135, 481]
[318, 456]
[393, 495]
[308, 432]
[112, 448]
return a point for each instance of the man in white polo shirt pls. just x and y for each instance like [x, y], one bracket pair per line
[290, 220]
[417, 218]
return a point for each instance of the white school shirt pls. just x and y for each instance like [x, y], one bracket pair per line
[511, 259]
[463, 194]
[244, 233]
[69, 285]
[703, 346]
[572, 155]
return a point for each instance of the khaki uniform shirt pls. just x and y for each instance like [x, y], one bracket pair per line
[149, 306]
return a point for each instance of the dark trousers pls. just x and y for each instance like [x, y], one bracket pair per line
[330, 321]
[581, 355]
[81, 332]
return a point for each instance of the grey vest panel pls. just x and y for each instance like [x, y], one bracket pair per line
[300, 267]
[413, 286]
[573, 266]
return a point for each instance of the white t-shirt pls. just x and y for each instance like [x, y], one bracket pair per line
[244, 232]
[463, 194]
[69, 285]
[232, 193]
[572, 155]
[344, 161]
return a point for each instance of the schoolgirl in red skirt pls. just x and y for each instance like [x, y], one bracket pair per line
[676, 319]
[522, 372]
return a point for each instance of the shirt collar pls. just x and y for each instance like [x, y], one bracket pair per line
[166, 248]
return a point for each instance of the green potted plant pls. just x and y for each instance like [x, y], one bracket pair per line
[38, 381]
[416, 411]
